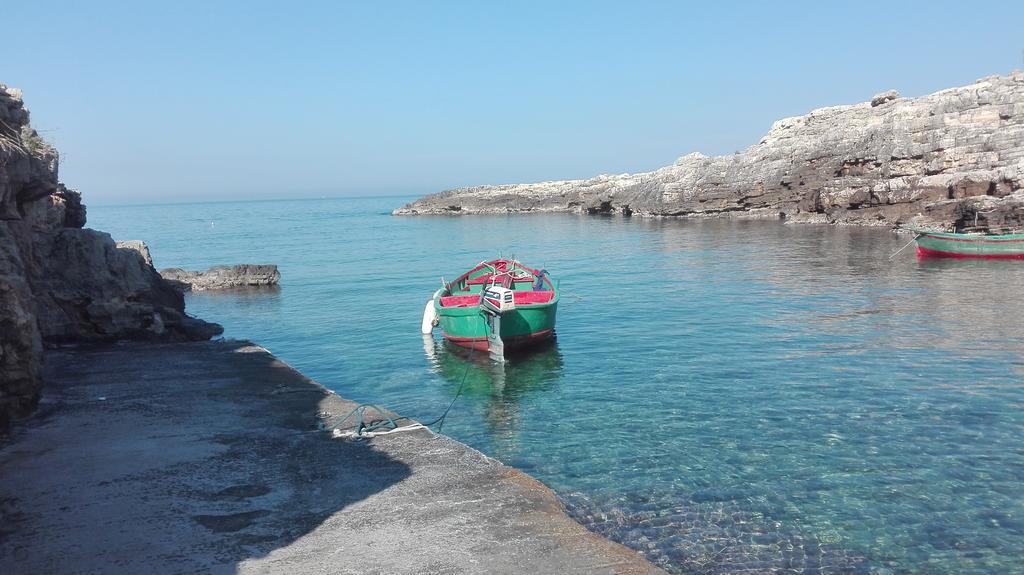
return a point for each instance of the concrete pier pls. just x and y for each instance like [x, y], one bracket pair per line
[206, 458]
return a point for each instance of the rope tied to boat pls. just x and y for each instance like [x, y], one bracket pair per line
[912, 240]
[360, 429]
[364, 428]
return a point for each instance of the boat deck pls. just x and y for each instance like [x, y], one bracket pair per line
[521, 298]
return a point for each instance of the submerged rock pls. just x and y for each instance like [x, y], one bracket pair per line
[222, 277]
[884, 162]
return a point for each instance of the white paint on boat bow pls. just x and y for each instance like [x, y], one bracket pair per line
[429, 315]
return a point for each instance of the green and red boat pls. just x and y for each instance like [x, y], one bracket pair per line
[959, 245]
[498, 305]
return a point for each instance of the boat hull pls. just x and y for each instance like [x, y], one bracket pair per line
[969, 246]
[530, 293]
[522, 327]
[511, 343]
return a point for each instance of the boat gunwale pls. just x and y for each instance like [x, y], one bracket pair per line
[471, 310]
[969, 237]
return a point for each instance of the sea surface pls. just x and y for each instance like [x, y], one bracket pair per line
[723, 396]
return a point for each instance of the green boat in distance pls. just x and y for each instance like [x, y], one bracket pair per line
[497, 305]
[974, 245]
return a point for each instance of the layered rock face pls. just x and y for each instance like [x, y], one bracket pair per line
[59, 282]
[223, 277]
[953, 159]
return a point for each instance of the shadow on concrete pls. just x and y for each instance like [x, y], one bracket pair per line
[172, 458]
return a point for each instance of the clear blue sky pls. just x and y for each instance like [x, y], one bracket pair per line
[191, 100]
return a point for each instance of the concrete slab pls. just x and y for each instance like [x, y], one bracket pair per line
[205, 458]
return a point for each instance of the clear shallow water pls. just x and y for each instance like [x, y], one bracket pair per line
[723, 395]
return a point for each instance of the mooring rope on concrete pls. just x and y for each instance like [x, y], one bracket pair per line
[362, 429]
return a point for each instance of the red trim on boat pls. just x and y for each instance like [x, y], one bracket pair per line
[528, 297]
[927, 253]
[976, 240]
[487, 278]
[460, 300]
[480, 343]
[521, 298]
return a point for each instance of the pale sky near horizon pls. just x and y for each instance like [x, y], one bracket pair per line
[184, 101]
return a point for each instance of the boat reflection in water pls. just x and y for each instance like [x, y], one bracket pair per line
[498, 389]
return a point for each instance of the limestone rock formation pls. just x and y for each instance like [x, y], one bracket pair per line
[222, 277]
[89, 289]
[886, 162]
[20, 344]
[887, 96]
[58, 281]
[139, 246]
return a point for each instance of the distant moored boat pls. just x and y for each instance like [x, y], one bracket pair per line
[953, 245]
[497, 305]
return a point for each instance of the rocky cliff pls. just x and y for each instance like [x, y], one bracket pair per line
[60, 282]
[953, 159]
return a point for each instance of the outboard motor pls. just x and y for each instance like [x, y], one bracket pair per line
[499, 299]
[496, 300]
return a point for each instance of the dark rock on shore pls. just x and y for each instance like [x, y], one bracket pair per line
[93, 290]
[60, 282]
[886, 162]
[222, 277]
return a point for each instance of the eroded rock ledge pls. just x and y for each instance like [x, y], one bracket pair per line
[223, 277]
[60, 282]
[952, 159]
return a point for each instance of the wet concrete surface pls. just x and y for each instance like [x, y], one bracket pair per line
[206, 458]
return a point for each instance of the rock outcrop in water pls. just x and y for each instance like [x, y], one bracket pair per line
[948, 159]
[223, 277]
[60, 282]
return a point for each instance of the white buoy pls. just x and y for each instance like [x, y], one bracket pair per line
[429, 315]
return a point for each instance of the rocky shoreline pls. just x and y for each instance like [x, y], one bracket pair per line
[949, 160]
[154, 451]
[60, 282]
[206, 457]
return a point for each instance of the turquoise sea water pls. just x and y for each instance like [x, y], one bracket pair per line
[724, 396]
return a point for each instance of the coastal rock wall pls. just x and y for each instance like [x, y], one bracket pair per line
[20, 343]
[952, 159]
[59, 282]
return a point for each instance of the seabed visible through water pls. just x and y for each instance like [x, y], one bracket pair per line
[722, 395]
